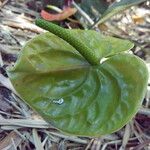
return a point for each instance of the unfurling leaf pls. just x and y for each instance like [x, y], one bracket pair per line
[74, 96]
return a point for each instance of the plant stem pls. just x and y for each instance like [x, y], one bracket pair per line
[84, 15]
[85, 51]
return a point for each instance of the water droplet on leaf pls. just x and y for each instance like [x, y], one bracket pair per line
[59, 101]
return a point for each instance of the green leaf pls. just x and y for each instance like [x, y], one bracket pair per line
[75, 97]
[94, 8]
[117, 7]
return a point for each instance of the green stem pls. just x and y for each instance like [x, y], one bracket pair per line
[85, 51]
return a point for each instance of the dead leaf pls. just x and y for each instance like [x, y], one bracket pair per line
[11, 141]
[37, 140]
[7, 83]
[67, 12]
[137, 19]
[9, 57]
[5, 106]
[103, 27]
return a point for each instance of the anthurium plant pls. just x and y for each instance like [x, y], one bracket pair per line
[81, 82]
